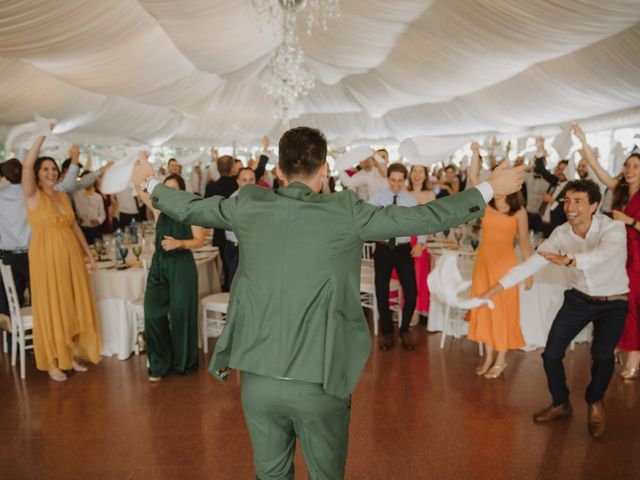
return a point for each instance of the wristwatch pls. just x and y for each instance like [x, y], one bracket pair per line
[144, 184]
[634, 223]
[571, 261]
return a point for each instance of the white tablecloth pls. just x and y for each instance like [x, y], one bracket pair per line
[538, 306]
[114, 288]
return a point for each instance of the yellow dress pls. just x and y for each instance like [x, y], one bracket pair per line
[64, 311]
[499, 328]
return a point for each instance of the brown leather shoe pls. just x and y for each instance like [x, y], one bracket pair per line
[386, 343]
[551, 413]
[407, 344]
[597, 419]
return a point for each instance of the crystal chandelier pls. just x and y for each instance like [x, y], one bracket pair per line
[317, 11]
[286, 78]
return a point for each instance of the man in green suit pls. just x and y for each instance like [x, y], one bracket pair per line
[295, 326]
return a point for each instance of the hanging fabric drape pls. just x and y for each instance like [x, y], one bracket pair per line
[188, 73]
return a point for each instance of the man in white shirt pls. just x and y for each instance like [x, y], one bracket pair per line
[370, 179]
[90, 211]
[128, 207]
[15, 232]
[594, 249]
[396, 253]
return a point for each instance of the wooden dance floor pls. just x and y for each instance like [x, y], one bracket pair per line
[415, 415]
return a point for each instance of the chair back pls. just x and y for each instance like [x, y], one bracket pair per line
[367, 250]
[12, 297]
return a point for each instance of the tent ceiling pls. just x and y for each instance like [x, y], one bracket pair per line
[188, 72]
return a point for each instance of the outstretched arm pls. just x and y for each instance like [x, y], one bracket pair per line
[185, 207]
[29, 185]
[601, 173]
[474, 166]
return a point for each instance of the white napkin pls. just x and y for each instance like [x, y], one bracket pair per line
[353, 156]
[563, 142]
[118, 176]
[446, 282]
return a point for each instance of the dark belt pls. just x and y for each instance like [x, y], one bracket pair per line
[609, 298]
[386, 244]
[13, 252]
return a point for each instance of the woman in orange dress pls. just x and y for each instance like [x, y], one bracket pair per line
[65, 323]
[499, 329]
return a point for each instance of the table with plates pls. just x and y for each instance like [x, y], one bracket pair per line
[538, 306]
[114, 289]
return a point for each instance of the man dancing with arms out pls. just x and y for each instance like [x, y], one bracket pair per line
[593, 247]
[295, 327]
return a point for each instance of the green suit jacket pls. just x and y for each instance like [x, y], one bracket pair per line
[295, 308]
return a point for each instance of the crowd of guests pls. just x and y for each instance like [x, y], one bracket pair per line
[39, 200]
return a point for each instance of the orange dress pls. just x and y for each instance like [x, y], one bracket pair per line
[65, 322]
[499, 328]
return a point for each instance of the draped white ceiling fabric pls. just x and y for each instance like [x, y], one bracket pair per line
[188, 72]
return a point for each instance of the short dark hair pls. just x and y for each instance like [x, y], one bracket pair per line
[12, 170]
[171, 160]
[450, 167]
[224, 164]
[588, 186]
[38, 165]
[397, 167]
[565, 161]
[303, 150]
[177, 178]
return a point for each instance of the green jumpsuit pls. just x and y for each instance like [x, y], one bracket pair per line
[171, 304]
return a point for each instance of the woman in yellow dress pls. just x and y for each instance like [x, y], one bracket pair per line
[499, 329]
[65, 323]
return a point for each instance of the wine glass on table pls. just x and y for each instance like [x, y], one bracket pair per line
[457, 234]
[137, 251]
[124, 251]
[99, 247]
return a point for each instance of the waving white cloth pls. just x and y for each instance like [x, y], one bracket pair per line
[446, 282]
[118, 177]
[563, 141]
[353, 156]
[25, 134]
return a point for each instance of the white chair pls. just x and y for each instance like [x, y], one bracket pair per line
[135, 312]
[216, 303]
[21, 320]
[368, 295]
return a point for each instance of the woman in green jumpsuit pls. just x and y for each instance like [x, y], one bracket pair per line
[171, 297]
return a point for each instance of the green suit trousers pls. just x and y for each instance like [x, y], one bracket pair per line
[171, 314]
[278, 410]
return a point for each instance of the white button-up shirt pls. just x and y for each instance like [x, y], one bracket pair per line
[600, 258]
[364, 184]
[89, 207]
[15, 232]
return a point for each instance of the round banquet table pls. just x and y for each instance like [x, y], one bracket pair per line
[538, 306]
[113, 289]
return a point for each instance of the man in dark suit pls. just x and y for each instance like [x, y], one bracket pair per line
[295, 325]
[552, 210]
[225, 186]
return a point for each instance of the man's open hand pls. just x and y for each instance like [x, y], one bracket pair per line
[504, 180]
